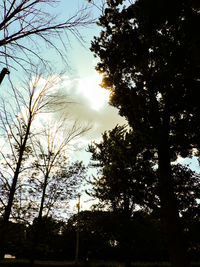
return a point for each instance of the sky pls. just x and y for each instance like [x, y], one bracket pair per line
[79, 82]
[82, 85]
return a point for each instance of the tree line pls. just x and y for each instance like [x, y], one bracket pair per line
[140, 239]
[148, 54]
[35, 172]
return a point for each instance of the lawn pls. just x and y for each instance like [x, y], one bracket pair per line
[25, 263]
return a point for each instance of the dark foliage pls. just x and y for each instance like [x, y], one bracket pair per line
[149, 55]
[48, 239]
[127, 176]
[103, 236]
[111, 236]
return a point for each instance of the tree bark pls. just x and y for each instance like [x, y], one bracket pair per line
[169, 210]
[8, 207]
[3, 73]
[36, 238]
[43, 195]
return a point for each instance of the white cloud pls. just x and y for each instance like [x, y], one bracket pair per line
[90, 105]
[86, 103]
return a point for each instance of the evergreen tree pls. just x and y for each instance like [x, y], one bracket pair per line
[125, 175]
[149, 55]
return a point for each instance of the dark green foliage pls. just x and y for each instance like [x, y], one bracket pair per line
[187, 189]
[48, 238]
[126, 177]
[112, 236]
[103, 236]
[127, 172]
[95, 231]
[151, 63]
[15, 239]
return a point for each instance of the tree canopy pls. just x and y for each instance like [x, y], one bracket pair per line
[149, 57]
[127, 176]
[151, 67]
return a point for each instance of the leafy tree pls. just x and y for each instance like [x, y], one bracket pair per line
[149, 56]
[125, 172]
[55, 190]
[16, 237]
[54, 180]
[127, 176]
[148, 242]
[96, 232]
[103, 236]
[187, 189]
[193, 232]
[121, 176]
[49, 238]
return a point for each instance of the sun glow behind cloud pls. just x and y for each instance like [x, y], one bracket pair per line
[91, 89]
[85, 102]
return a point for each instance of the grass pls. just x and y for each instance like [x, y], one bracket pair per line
[25, 263]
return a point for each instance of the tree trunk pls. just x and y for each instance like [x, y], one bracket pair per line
[8, 207]
[4, 225]
[169, 211]
[43, 195]
[36, 238]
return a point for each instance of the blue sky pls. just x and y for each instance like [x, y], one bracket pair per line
[82, 85]
[80, 58]
[79, 81]
[82, 80]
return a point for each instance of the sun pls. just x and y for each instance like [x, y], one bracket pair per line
[91, 89]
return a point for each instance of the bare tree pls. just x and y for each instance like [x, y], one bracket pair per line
[3, 73]
[57, 181]
[51, 151]
[17, 114]
[25, 25]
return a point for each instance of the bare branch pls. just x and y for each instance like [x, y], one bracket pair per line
[25, 24]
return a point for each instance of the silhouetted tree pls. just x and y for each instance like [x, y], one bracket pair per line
[192, 229]
[97, 232]
[150, 60]
[54, 177]
[49, 237]
[55, 189]
[103, 236]
[186, 185]
[125, 175]
[16, 238]
[17, 116]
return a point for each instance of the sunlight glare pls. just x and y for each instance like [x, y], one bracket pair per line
[91, 89]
